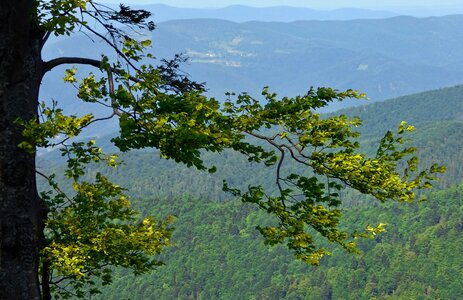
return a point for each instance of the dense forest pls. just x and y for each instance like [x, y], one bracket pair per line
[218, 253]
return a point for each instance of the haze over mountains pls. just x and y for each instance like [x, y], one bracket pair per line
[305, 9]
[241, 13]
[384, 58]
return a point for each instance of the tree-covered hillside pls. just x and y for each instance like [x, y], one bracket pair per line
[438, 118]
[421, 110]
[218, 254]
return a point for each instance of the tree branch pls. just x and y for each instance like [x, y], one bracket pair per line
[54, 186]
[51, 64]
[45, 38]
[111, 93]
[112, 45]
[271, 141]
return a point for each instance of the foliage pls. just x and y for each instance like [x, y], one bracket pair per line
[219, 254]
[157, 108]
[327, 147]
[96, 228]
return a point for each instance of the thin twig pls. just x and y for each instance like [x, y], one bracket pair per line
[55, 187]
[112, 93]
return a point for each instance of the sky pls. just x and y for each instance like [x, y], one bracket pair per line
[378, 4]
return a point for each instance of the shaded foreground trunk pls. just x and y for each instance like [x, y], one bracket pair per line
[20, 209]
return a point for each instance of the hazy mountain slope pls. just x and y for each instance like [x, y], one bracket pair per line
[384, 58]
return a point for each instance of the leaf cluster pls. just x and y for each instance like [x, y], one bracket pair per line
[327, 151]
[95, 229]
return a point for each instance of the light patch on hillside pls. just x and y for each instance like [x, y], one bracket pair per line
[236, 41]
[282, 51]
[362, 67]
[239, 52]
[222, 62]
[231, 49]
[191, 53]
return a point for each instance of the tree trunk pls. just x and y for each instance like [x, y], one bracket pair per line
[21, 212]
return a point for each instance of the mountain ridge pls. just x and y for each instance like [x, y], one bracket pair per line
[382, 58]
[243, 13]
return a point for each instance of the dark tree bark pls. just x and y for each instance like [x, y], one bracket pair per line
[21, 210]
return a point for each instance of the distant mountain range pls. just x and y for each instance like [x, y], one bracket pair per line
[241, 13]
[384, 58]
